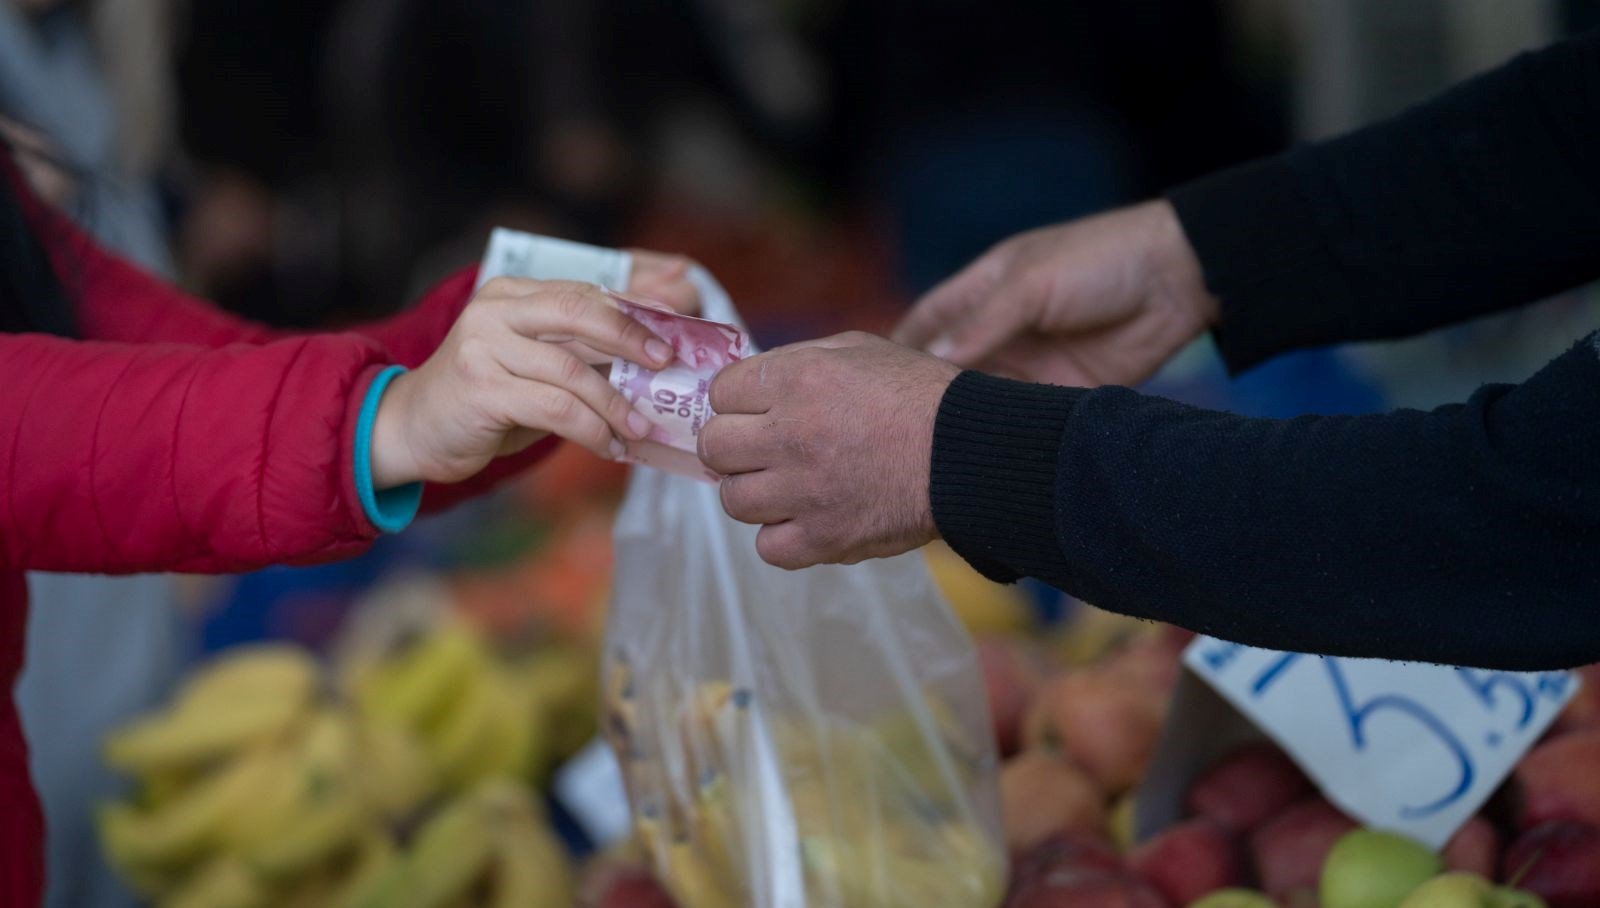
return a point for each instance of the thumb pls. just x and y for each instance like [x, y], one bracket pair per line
[987, 328]
[945, 305]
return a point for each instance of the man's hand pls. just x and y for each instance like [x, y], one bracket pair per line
[828, 445]
[1104, 300]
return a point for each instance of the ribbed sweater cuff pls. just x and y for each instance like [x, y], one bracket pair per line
[993, 478]
[1264, 258]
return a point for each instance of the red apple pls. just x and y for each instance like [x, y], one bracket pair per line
[1475, 848]
[1150, 663]
[1086, 888]
[1099, 720]
[1247, 786]
[1289, 849]
[1011, 677]
[1189, 860]
[1559, 861]
[1041, 794]
[1064, 851]
[1560, 780]
[634, 890]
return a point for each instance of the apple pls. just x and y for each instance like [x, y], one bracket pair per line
[1189, 860]
[634, 890]
[1558, 780]
[1011, 677]
[1301, 897]
[1559, 861]
[1234, 898]
[1064, 850]
[1451, 890]
[1150, 663]
[1475, 848]
[1102, 722]
[1247, 786]
[1288, 850]
[1370, 868]
[1086, 888]
[1041, 794]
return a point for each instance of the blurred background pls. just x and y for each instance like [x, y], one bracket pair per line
[312, 162]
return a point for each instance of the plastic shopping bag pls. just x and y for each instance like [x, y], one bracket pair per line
[810, 739]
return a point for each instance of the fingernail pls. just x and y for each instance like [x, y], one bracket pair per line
[659, 350]
[941, 346]
[639, 425]
[615, 449]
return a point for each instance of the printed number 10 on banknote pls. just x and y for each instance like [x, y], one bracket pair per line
[676, 399]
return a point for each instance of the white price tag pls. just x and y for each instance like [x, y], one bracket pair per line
[1411, 748]
[516, 254]
[590, 786]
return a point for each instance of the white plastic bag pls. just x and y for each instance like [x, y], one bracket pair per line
[810, 739]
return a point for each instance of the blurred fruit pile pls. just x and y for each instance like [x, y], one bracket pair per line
[410, 783]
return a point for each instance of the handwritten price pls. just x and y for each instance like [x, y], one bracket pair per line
[1413, 747]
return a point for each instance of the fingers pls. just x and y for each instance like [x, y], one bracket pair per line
[664, 277]
[996, 320]
[551, 365]
[785, 545]
[545, 310]
[747, 386]
[758, 498]
[944, 306]
[537, 405]
[735, 444]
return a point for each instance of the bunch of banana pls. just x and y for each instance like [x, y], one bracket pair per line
[478, 714]
[880, 809]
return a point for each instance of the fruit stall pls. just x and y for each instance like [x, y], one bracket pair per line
[407, 761]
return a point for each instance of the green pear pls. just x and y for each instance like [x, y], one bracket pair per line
[1452, 890]
[1372, 869]
[1506, 897]
[1233, 898]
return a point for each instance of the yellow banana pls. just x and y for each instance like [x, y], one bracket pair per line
[530, 864]
[563, 686]
[223, 883]
[421, 683]
[313, 835]
[449, 854]
[396, 775]
[714, 828]
[691, 881]
[1120, 823]
[269, 671]
[372, 864]
[460, 744]
[183, 829]
[187, 737]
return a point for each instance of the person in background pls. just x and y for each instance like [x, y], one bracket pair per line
[97, 143]
[1466, 535]
[147, 431]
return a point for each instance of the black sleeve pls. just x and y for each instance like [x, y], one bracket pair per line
[1483, 198]
[1468, 535]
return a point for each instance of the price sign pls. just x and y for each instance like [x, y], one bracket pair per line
[589, 786]
[1412, 748]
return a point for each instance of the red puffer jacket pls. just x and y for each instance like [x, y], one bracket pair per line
[175, 437]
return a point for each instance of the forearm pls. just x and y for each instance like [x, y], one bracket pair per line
[1483, 198]
[1466, 535]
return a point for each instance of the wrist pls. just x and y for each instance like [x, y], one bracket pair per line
[391, 461]
[1173, 265]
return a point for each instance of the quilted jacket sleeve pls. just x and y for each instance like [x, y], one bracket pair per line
[119, 458]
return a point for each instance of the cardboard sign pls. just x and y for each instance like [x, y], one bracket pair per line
[1411, 748]
[515, 254]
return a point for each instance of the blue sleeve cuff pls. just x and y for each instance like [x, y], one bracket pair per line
[390, 510]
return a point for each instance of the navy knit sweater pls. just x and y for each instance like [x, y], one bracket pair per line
[1466, 535]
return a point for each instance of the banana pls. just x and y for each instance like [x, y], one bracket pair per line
[314, 835]
[562, 685]
[270, 671]
[692, 883]
[714, 828]
[530, 865]
[223, 883]
[396, 775]
[187, 737]
[422, 682]
[449, 854]
[372, 864]
[457, 746]
[183, 829]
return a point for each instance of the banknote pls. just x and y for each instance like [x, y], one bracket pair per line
[676, 398]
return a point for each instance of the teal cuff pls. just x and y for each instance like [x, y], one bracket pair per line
[390, 510]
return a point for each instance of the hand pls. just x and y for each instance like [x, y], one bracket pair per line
[828, 445]
[506, 375]
[1104, 300]
[665, 279]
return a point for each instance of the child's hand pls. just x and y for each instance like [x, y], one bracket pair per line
[506, 376]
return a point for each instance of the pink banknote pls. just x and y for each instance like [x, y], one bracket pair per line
[676, 399]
